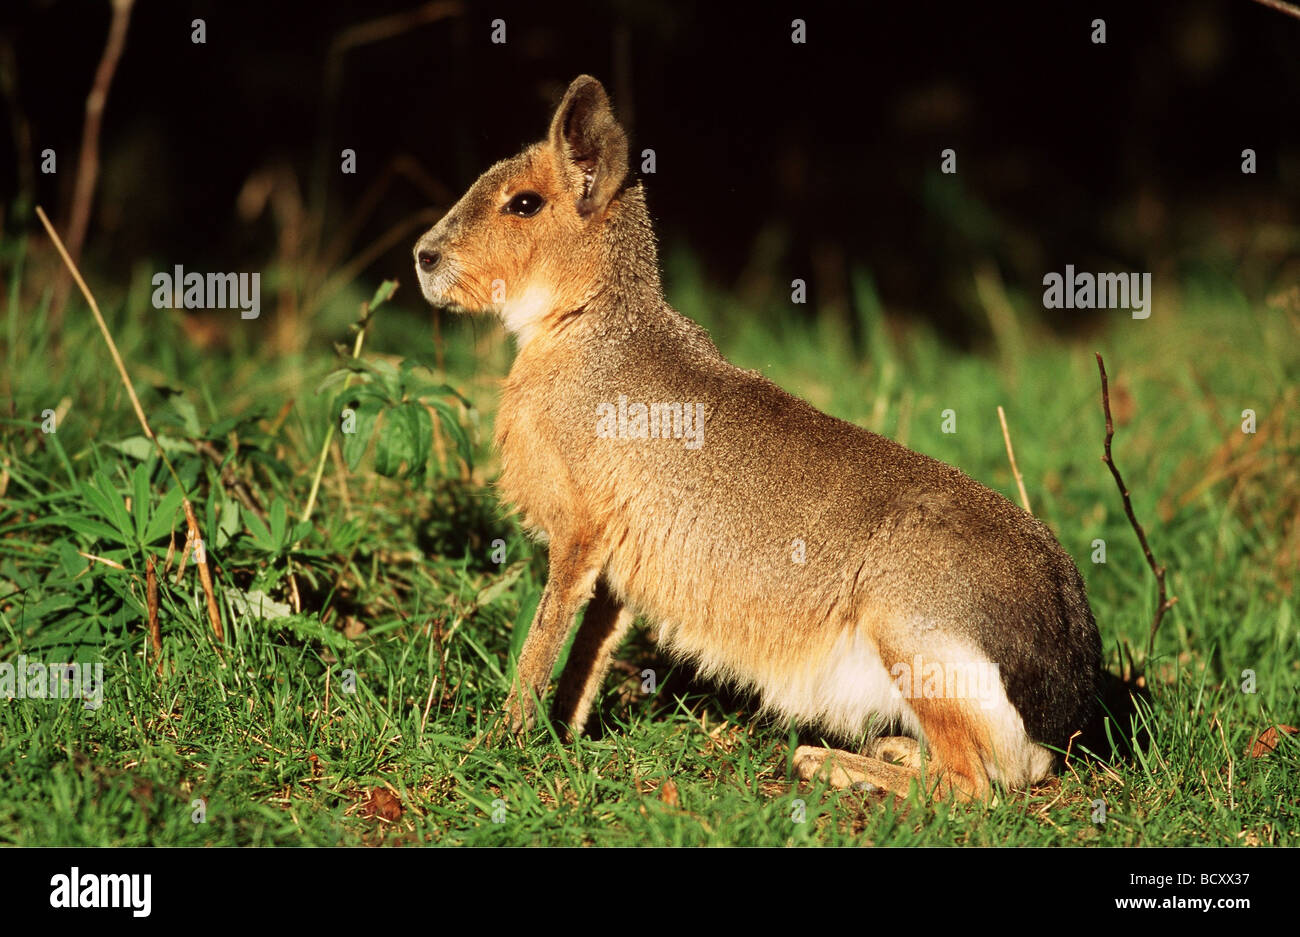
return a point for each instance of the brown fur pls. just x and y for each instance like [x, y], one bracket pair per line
[790, 552]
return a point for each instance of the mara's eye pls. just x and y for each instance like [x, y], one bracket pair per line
[525, 204]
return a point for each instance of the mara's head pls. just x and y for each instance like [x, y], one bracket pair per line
[526, 241]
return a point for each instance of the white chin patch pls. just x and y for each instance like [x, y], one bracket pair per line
[524, 313]
[432, 286]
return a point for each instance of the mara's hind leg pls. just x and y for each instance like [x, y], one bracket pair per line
[954, 768]
[959, 741]
[968, 747]
[957, 699]
[845, 769]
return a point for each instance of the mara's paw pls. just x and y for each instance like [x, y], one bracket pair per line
[897, 750]
[844, 769]
[515, 719]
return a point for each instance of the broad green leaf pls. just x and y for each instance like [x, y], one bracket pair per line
[508, 577]
[423, 389]
[211, 515]
[523, 621]
[246, 422]
[72, 562]
[96, 530]
[383, 294]
[383, 378]
[262, 538]
[140, 498]
[101, 495]
[371, 392]
[449, 420]
[228, 525]
[258, 604]
[137, 447]
[420, 427]
[355, 443]
[163, 520]
[394, 444]
[333, 378]
[279, 521]
[308, 627]
[141, 449]
[189, 416]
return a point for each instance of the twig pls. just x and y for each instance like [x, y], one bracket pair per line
[428, 704]
[101, 559]
[386, 27]
[205, 575]
[1281, 6]
[94, 307]
[1015, 469]
[185, 555]
[88, 163]
[1162, 604]
[195, 537]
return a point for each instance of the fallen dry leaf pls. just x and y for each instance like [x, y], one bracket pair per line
[668, 793]
[383, 804]
[1267, 740]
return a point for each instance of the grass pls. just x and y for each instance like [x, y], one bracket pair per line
[352, 721]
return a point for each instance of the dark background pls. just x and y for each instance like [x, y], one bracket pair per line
[774, 160]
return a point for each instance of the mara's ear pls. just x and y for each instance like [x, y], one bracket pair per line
[590, 147]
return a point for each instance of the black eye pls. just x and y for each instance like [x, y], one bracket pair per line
[525, 204]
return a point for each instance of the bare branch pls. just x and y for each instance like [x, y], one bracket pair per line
[1290, 9]
[1163, 604]
[83, 193]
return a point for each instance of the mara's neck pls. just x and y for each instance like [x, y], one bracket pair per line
[630, 287]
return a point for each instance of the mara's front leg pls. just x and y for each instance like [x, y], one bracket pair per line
[604, 625]
[574, 566]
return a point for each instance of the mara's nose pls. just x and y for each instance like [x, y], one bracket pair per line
[427, 259]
